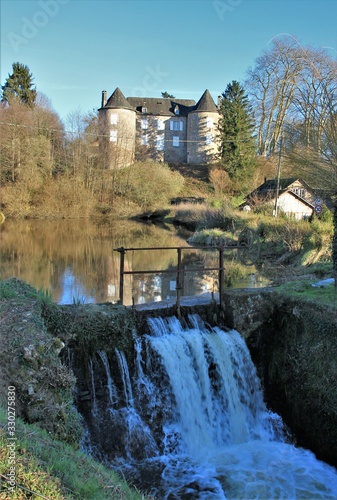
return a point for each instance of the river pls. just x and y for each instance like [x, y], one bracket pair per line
[76, 261]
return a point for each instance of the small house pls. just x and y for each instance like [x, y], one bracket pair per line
[291, 196]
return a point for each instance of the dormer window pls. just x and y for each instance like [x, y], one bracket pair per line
[144, 110]
[176, 110]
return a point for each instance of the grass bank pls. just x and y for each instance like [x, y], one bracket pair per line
[48, 429]
[282, 241]
[46, 468]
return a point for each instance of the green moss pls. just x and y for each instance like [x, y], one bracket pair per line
[29, 360]
[92, 326]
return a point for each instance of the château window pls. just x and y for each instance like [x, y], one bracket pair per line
[175, 141]
[144, 124]
[209, 139]
[176, 125]
[209, 122]
[113, 135]
[114, 119]
[176, 110]
[160, 143]
[144, 110]
[160, 124]
[144, 140]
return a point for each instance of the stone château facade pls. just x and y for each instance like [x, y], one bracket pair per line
[161, 129]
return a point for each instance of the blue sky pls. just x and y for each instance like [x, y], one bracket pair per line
[77, 48]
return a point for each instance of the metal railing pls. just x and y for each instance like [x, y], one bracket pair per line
[180, 269]
[248, 242]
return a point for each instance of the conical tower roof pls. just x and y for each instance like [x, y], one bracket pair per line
[118, 100]
[206, 103]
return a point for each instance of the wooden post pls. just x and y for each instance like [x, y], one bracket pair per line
[221, 277]
[122, 252]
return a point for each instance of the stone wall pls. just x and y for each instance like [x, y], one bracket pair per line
[201, 137]
[175, 140]
[117, 136]
[293, 343]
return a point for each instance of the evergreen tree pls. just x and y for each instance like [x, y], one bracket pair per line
[236, 125]
[19, 85]
[167, 95]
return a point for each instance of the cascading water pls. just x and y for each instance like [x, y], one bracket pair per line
[124, 370]
[93, 389]
[113, 397]
[197, 426]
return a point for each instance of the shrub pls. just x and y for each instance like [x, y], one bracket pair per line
[150, 184]
[202, 216]
[209, 237]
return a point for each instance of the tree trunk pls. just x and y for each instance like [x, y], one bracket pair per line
[334, 242]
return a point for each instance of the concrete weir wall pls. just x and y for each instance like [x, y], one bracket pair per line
[293, 344]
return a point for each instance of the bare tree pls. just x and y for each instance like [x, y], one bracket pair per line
[272, 85]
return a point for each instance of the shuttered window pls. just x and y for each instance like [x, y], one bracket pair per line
[177, 125]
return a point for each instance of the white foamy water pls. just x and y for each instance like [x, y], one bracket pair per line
[220, 441]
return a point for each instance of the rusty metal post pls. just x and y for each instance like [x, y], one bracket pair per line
[122, 252]
[221, 277]
[179, 281]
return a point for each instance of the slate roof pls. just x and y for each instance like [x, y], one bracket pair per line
[118, 100]
[268, 189]
[161, 105]
[206, 103]
[271, 185]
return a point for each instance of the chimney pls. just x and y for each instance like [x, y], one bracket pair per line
[104, 99]
[219, 100]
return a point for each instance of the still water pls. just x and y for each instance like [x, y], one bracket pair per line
[76, 261]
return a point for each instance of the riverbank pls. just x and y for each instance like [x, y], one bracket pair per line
[47, 429]
[290, 331]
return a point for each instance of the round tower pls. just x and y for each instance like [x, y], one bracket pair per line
[117, 130]
[202, 131]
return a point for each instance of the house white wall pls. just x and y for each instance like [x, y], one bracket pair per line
[293, 206]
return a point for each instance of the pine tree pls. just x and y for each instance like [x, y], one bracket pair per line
[19, 85]
[236, 125]
[167, 95]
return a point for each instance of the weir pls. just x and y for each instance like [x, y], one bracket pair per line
[185, 418]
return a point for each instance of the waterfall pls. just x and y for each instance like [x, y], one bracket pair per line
[195, 423]
[217, 393]
[113, 398]
[123, 366]
[93, 389]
